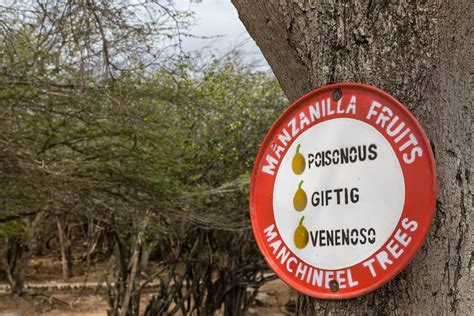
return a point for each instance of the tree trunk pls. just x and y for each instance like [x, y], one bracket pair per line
[14, 253]
[421, 53]
[65, 245]
[133, 280]
[17, 253]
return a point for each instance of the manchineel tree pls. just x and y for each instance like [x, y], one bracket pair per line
[421, 53]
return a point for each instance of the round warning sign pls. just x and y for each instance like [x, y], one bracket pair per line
[343, 191]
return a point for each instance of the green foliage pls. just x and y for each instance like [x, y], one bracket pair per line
[154, 139]
[12, 228]
[91, 127]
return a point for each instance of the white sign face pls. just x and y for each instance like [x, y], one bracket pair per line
[348, 192]
[343, 191]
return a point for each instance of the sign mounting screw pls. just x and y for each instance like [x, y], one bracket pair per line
[337, 94]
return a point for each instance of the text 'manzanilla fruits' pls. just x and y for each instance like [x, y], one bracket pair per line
[301, 236]
[300, 200]
[298, 163]
[343, 191]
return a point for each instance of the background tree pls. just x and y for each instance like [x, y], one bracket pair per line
[421, 53]
[67, 134]
[118, 148]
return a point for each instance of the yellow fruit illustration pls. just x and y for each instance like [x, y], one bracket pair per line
[300, 199]
[298, 162]
[301, 236]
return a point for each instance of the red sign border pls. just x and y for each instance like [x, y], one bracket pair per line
[424, 229]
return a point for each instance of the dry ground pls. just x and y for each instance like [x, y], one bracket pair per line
[276, 298]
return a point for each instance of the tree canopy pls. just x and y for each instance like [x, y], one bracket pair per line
[105, 122]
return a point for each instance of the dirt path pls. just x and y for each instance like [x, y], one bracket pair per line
[79, 298]
[63, 286]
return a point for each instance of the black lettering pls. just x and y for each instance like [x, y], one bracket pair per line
[362, 151]
[372, 151]
[335, 157]
[314, 238]
[338, 196]
[342, 237]
[353, 154]
[362, 235]
[345, 237]
[330, 237]
[371, 235]
[355, 239]
[317, 159]
[322, 238]
[328, 196]
[310, 160]
[327, 157]
[344, 155]
[315, 198]
[337, 237]
[354, 196]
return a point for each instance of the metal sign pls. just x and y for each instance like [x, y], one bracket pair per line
[343, 191]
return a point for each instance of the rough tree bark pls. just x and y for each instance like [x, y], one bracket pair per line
[421, 53]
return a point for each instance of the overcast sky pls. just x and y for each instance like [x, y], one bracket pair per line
[218, 18]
